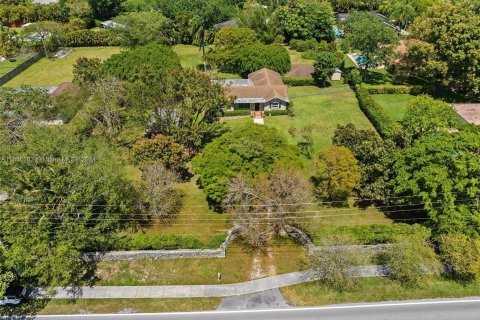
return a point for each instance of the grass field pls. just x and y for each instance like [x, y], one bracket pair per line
[377, 289]
[7, 66]
[394, 104]
[322, 108]
[195, 219]
[238, 266]
[296, 57]
[51, 72]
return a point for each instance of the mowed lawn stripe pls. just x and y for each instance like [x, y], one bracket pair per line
[50, 72]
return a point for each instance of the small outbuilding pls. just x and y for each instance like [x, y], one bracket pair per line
[337, 76]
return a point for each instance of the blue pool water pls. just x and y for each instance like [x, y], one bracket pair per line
[361, 59]
[337, 32]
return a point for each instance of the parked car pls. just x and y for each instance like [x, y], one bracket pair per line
[14, 296]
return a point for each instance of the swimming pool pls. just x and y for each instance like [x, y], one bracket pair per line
[337, 32]
[360, 58]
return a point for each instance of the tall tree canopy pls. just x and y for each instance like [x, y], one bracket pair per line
[249, 151]
[66, 195]
[371, 37]
[442, 171]
[307, 19]
[449, 48]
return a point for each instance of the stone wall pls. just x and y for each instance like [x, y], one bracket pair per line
[163, 254]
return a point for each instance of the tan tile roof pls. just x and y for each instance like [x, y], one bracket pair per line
[267, 85]
[300, 71]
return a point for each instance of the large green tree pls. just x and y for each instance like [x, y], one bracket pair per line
[451, 30]
[441, 171]
[141, 28]
[250, 151]
[104, 9]
[66, 195]
[307, 19]
[371, 37]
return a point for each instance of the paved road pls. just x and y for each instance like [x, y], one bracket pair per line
[201, 291]
[458, 309]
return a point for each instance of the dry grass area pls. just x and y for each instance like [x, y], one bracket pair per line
[238, 266]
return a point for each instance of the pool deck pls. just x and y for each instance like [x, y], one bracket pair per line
[351, 56]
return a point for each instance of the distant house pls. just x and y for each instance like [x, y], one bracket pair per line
[263, 91]
[45, 1]
[109, 24]
[228, 23]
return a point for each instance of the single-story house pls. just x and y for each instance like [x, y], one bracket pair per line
[263, 91]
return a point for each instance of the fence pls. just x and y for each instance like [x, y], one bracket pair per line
[24, 66]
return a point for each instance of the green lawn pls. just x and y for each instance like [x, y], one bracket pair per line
[323, 108]
[236, 267]
[51, 72]
[103, 306]
[377, 289]
[190, 56]
[394, 104]
[296, 57]
[7, 66]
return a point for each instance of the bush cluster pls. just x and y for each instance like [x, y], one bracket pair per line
[383, 233]
[303, 45]
[166, 242]
[277, 113]
[236, 113]
[392, 89]
[374, 112]
[90, 38]
[299, 82]
[32, 13]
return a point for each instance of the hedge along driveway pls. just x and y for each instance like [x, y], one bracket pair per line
[51, 72]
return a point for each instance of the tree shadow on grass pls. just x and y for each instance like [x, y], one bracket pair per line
[25, 311]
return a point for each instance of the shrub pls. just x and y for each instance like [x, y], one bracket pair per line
[274, 113]
[298, 82]
[303, 45]
[410, 260]
[461, 254]
[392, 89]
[383, 233]
[374, 112]
[236, 113]
[19, 14]
[167, 242]
[161, 149]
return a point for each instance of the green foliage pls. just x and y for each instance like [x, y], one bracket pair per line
[89, 38]
[250, 151]
[409, 260]
[236, 113]
[374, 112]
[161, 149]
[303, 45]
[383, 233]
[12, 14]
[142, 61]
[449, 35]
[9, 43]
[166, 242]
[325, 65]
[337, 175]
[141, 28]
[370, 36]
[298, 82]
[69, 195]
[249, 58]
[87, 70]
[274, 113]
[441, 171]
[262, 20]
[461, 254]
[426, 115]
[349, 5]
[375, 157]
[392, 89]
[183, 104]
[307, 19]
[104, 9]
[231, 37]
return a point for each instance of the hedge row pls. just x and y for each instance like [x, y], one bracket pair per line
[392, 89]
[383, 233]
[277, 113]
[90, 38]
[236, 113]
[10, 14]
[298, 82]
[166, 242]
[374, 112]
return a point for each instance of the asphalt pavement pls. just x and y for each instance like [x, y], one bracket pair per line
[452, 309]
